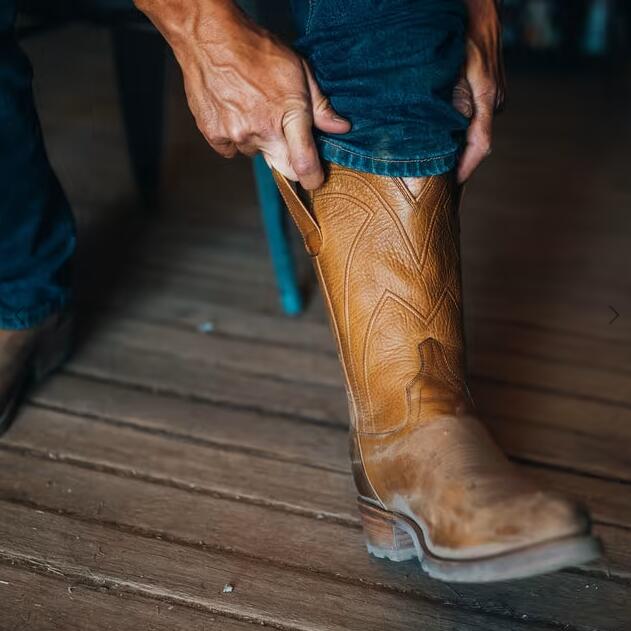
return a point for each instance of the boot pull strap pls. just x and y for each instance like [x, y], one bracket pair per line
[307, 225]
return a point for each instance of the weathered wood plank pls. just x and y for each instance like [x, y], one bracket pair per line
[234, 266]
[554, 410]
[248, 356]
[263, 592]
[587, 319]
[552, 345]
[594, 454]
[201, 380]
[206, 468]
[31, 601]
[258, 298]
[300, 541]
[286, 438]
[165, 308]
[580, 381]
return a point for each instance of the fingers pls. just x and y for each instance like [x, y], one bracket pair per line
[292, 152]
[277, 157]
[479, 135]
[301, 148]
[224, 147]
[324, 116]
[285, 138]
[483, 80]
[462, 98]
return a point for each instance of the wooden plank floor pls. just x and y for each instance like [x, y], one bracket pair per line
[164, 464]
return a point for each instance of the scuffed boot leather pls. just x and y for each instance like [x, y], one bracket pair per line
[27, 356]
[432, 482]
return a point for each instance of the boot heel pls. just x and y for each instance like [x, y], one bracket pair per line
[384, 538]
[53, 350]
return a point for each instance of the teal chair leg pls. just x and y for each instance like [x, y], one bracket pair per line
[274, 222]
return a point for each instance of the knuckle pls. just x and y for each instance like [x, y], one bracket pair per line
[239, 134]
[304, 164]
[239, 137]
[207, 125]
[323, 104]
[295, 111]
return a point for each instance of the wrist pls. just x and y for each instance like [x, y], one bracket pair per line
[183, 21]
[484, 19]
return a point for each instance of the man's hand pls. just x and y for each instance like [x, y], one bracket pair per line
[480, 92]
[247, 91]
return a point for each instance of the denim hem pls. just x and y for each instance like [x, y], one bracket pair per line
[414, 167]
[29, 318]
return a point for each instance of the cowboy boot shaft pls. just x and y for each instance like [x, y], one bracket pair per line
[389, 268]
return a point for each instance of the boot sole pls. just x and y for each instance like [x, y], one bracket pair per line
[50, 354]
[397, 538]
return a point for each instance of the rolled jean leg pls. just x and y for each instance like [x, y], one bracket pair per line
[37, 232]
[390, 67]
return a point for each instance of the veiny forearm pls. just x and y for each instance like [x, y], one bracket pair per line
[182, 22]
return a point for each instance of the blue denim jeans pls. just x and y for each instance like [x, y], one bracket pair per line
[389, 66]
[37, 235]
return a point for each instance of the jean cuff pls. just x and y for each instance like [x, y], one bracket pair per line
[28, 318]
[414, 167]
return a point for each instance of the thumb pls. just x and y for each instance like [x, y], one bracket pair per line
[462, 98]
[478, 143]
[325, 117]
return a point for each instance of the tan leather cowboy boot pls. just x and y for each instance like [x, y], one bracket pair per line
[432, 483]
[27, 356]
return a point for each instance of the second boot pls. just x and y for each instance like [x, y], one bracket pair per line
[432, 482]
